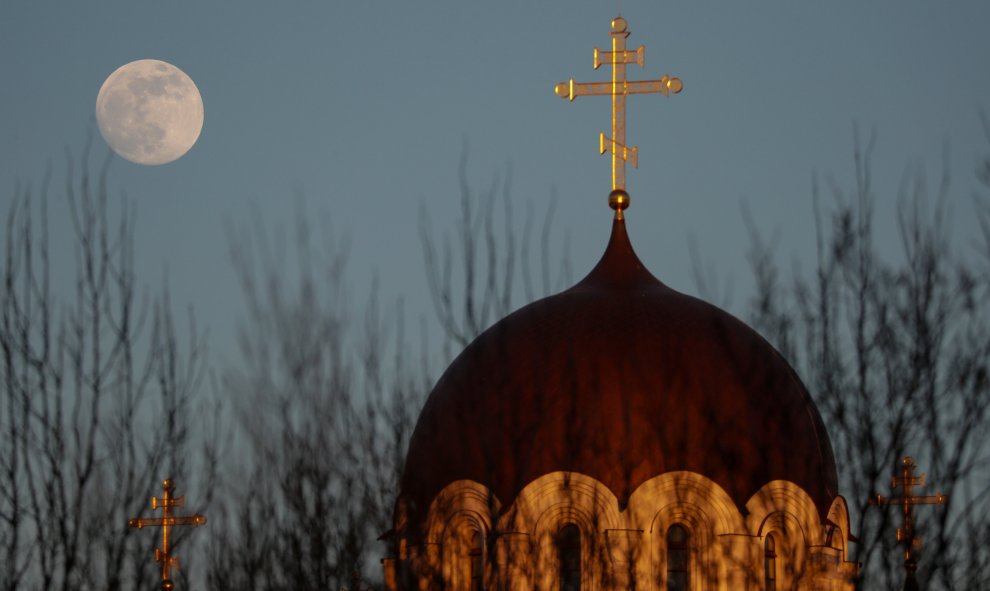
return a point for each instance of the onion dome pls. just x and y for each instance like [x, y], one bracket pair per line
[622, 379]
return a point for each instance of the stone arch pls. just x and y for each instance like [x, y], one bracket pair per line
[838, 518]
[784, 509]
[544, 498]
[704, 554]
[463, 537]
[458, 500]
[690, 488]
[551, 502]
[460, 518]
[781, 496]
[699, 504]
[794, 570]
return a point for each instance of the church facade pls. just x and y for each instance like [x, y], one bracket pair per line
[620, 435]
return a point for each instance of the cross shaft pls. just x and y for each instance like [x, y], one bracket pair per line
[618, 89]
[906, 501]
[166, 504]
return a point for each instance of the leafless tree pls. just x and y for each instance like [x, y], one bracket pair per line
[97, 395]
[323, 409]
[325, 405]
[896, 354]
[474, 277]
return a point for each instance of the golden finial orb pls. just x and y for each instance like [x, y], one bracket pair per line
[618, 200]
[619, 25]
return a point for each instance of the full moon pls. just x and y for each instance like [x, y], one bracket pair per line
[150, 112]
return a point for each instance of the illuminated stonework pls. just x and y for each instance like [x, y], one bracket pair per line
[627, 549]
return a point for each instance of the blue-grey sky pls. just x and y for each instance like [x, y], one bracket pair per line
[365, 107]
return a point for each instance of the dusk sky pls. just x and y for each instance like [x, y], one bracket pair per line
[365, 108]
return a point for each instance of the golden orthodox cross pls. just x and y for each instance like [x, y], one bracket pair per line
[618, 88]
[167, 520]
[906, 501]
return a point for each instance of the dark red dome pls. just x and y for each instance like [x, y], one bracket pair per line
[622, 379]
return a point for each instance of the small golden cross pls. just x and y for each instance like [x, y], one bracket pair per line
[618, 88]
[906, 500]
[167, 520]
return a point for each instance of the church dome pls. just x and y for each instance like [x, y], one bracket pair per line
[622, 379]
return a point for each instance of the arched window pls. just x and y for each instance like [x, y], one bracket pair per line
[769, 564]
[678, 558]
[476, 557]
[569, 557]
